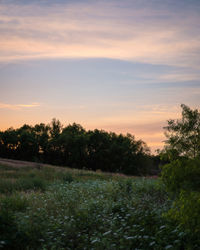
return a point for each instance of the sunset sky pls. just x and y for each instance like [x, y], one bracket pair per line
[122, 66]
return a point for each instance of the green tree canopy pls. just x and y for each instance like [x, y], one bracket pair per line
[183, 135]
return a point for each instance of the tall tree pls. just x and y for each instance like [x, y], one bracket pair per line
[183, 135]
[28, 148]
[42, 135]
[75, 147]
[73, 142]
[8, 143]
[54, 154]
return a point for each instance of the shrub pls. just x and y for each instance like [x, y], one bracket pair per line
[182, 174]
[10, 237]
[185, 211]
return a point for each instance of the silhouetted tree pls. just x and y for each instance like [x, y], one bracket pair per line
[8, 143]
[75, 147]
[73, 142]
[42, 134]
[53, 152]
[27, 143]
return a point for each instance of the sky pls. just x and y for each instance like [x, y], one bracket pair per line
[122, 66]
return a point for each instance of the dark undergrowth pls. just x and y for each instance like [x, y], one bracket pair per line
[51, 208]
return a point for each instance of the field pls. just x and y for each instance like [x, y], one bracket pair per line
[45, 207]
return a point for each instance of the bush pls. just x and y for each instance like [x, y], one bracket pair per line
[185, 211]
[182, 177]
[10, 237]
[182, 174]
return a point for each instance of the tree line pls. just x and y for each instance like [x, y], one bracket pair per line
[75, 147]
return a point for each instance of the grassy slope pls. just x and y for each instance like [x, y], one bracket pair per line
[46, 207]
[22, 175]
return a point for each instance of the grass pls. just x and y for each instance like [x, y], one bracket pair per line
[55, 208]
[38, 177]
[32, 178]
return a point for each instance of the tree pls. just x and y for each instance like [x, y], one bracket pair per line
[75, 147]
[73, 144]
[55, 128]
[53, 150]
[183, 135]
[42, 135]
[28, 148]
[98, 150]
[8, 143]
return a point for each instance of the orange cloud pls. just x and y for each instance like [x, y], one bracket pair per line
[18, 106]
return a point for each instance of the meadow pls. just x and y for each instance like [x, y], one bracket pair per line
[45, 207]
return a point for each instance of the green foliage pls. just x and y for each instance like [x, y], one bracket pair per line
[124, 214]
[67, 177]
[81, 209]
[186, 212]
[15, 202]
[182, 174]
[10, 237]
[34, 183]
[183, 135]
[22, 184]
[30, 178]
[6, 186]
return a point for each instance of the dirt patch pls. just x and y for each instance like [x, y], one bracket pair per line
[26, 164]
[19, 164]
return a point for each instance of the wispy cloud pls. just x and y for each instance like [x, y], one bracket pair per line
[159, 39]
[110, 30]
[137, 115]
[179, 77]
[18, 106]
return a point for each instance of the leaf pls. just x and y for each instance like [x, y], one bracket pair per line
[168, 247]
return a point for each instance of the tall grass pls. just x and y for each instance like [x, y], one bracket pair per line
[14, 179]
[46, 208]
[92, 215]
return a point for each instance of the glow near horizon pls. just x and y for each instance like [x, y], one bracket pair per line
[120, 66]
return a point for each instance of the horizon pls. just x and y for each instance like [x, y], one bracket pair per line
[124, 67]
[118, 131]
